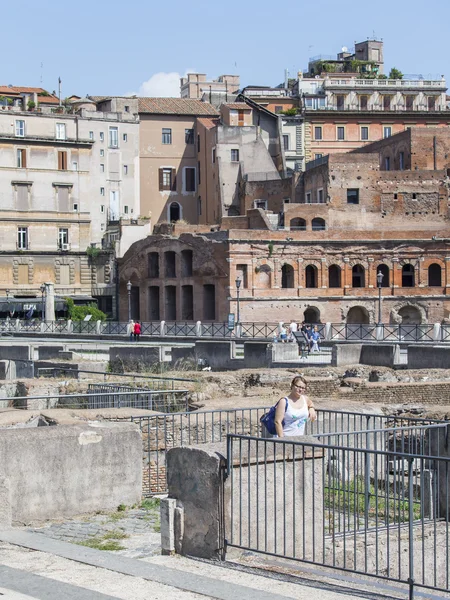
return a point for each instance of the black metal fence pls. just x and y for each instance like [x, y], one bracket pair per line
[268, 331]
[380, 512]
[163, 432]
[162, 397]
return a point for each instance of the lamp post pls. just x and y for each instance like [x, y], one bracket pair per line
[238, 285]
[42, 288]
[379, 282]
[129, 300]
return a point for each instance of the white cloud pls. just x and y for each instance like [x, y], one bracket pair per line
[164, 85]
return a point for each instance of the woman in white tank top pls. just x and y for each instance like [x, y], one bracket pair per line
[294, 410]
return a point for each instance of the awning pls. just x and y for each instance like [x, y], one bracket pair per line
[24, 304]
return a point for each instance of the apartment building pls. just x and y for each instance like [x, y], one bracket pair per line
[242, 145]
[380, 209]
[66, 173]
[196, 85]
[169, 157]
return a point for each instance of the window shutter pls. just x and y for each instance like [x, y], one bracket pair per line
[174, 180]
[161, 183]
[60, 161]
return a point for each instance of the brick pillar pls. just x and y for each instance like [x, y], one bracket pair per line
[301, 275]
[276, 274]
[371, 274]
[396, 274]
[346, 275]
[323, 274]
[447, 272]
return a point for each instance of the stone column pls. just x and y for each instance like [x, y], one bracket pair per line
[49, 301]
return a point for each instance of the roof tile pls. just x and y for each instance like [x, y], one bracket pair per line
[176, 106]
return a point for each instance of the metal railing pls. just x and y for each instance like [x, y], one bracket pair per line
[163, 432]
[370, 332]
[376, 512]
[158, 400]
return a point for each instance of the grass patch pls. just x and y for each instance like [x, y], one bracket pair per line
[351, 498]
[116, 516]
[150, 504]
[108, 541]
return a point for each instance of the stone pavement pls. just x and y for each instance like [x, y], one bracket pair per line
[40, 567]
[134, 532]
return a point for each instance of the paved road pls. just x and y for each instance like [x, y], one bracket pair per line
[41, 569]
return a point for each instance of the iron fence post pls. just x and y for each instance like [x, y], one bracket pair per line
[411, 528]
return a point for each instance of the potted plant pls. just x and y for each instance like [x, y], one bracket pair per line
[10, 103]
[31, 105]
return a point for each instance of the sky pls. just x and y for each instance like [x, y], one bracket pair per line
[115, 48]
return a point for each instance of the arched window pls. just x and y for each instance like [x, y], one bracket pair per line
[297, 223]
[174, 212]
[318, 224]
[311, 276]
[186, 263]
[408, 279]
[169, 263]
[358, 277]
[434, 275]
[384, 270]
[334, 276]
[287, 276]
[311, 315]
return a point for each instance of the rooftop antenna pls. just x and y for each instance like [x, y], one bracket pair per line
[59, 90]
[42, 69]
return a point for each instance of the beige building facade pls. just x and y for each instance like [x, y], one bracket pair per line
[195, 85]
[66, 174]
[169, 158]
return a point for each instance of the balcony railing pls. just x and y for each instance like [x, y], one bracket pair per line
[386, 83]
[379, 108]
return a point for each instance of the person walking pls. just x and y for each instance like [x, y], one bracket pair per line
[293, 411]
[315, 339]
[130, 329]
[283, 333]
[137, 331]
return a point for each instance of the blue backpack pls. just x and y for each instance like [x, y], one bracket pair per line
[268, 418]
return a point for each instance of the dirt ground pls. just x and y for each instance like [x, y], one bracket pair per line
[233, 389]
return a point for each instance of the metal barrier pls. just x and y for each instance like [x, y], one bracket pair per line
[157, 400]
[160, 433]
[382, 513]
[334, 332]
[163, 432]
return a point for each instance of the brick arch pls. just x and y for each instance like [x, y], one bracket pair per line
[395, 311]
[358, 261]
[354, 305]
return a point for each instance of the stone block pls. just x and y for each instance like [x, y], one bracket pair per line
[61, 471]
[345, 354]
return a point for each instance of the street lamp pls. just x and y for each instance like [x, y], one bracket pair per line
[42, 288]
[129, 300]
[238, 285]
[379, 283]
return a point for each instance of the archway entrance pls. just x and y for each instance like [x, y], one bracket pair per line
[358, 315]
[174, 212]
[410, 315]
[311, 315]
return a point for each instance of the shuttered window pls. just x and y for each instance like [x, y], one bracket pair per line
[62, 160]
[167, 179]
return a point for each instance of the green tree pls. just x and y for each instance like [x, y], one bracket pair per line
[395, 74]
[78, 313]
